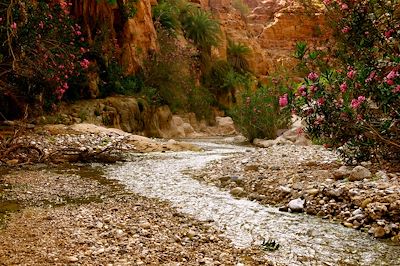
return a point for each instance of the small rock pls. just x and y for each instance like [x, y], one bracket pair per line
[191, 234]
[378, 231]
[285, 189]
[145, 225]
[347, 224]
[296, 205]
[376, 210]
[237, 191]
[72, 258]
[381, 175]
[262, 143]
[342, 172]
[359, 173]
[251, 168]
[12, 162]
[312, 192]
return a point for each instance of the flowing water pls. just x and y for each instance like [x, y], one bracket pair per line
[304, 240]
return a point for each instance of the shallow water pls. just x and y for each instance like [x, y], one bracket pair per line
[304, 240]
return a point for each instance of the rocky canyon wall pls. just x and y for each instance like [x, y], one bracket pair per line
[128, 34]
[271, 30]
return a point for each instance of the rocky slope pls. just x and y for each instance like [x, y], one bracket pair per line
[271, 30]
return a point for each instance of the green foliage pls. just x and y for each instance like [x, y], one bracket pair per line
[129, 9]
[257, 113]
[43, 50]
[351, 95]
[237, 54]
[242, 7]
[200, 101]
[167, 15]
[199, 27]
[169, 71]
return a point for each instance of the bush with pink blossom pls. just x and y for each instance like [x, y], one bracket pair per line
[42, 49]
[350, 97]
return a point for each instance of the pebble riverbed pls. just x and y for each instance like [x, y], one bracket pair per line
[304, 240]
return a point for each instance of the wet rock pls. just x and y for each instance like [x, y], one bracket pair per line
[359, 173]
[296, 205]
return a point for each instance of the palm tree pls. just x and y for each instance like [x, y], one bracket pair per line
[166, 14]
[237, 53]
[199, 27]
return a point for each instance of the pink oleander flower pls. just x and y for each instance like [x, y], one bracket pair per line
[371, 76]
[355, 103]
[283, 100]
[392, 74]
[14, 26]
[390, 82]
[85, 63]
[343, 87]
[320, 101]
[41, 24]
[396, 89]
[313, 76]
[388, 33]
[313, 88]
[351, 74]
[302, 90]
[327, 2]
[346, 29]
[344, 6]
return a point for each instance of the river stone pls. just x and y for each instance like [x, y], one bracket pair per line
[342, 172]
[251, 167]
[376, 210]
[378, 231]
[312, 191]
[72, 259]
[237, 191]
[263, 143]
[359, 173]
[296, 205]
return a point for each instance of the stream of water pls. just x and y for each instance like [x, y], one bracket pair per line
[304, 240]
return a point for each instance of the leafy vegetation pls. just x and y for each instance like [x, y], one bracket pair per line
[257, 112]
[42, 51]
[351, 93]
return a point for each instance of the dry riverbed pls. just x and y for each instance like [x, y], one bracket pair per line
[72, 215]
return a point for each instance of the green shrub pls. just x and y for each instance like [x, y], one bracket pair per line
[200, 101]
[170, 71]
[201, 28]
[257, 112]
[350, 96]
[42, 49]
[237, 53]
[166, 13]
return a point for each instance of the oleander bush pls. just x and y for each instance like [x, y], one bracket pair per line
[350, 96]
